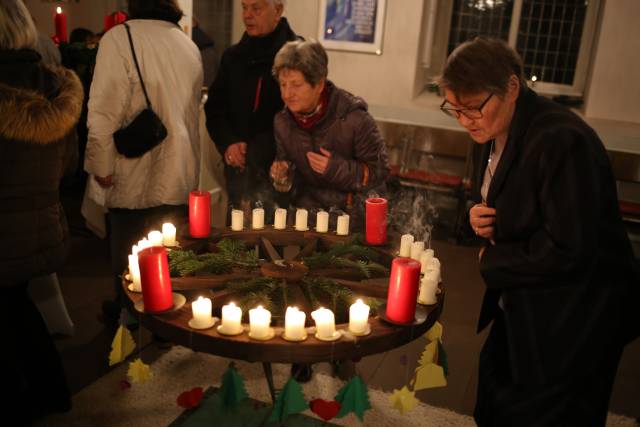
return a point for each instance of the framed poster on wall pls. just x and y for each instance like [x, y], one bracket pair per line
[353, 25]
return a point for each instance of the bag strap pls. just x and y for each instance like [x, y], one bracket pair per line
[135, 60]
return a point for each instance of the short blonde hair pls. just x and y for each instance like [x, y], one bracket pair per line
[17, 30]
[308, 57]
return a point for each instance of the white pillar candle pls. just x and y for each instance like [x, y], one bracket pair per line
[325, 322]
[201, 309]
[343, 225]
[294, 324]
[435, 265]
[428, 288]
[358, 317]
[416, 250]
[425, 260]
[143, 244]
[155, 237]
[237, 220]
[280, 220]
[322, 222]
[257, 219]
[134, 271]
[259, 322]
[134, 250]
[301, 219]
[405, 245]
[231, 319]
[168, 234]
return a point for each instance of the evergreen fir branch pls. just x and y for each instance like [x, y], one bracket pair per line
[351, 248]
[231, 246]
[259, 284]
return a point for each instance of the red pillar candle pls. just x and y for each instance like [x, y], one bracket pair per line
[199, 214]
[403, 290]
[60, 22]
[108, 22]
[155, 279]
[376, 221]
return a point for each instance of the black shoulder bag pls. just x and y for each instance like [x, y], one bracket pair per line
[146, 130]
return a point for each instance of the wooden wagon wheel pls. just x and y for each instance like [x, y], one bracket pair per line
[384, 336]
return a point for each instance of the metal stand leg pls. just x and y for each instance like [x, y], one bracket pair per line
[268, 374]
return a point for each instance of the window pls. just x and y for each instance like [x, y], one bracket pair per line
[554, 37]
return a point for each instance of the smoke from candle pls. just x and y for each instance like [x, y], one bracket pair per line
[412, 212]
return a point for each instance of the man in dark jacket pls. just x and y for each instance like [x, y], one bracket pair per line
[244, 99]
[39, 107]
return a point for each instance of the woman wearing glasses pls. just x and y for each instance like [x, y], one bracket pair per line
[557, 262]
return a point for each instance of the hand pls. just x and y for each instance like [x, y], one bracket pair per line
[279, 169]
[104, 182]
[235, 155]
[319, 162]
[482, 219]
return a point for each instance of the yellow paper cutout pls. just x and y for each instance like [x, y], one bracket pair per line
[122, 346]
[139, 372]
[429, 354]
[434, 333]
[429, 376]
[403, 400]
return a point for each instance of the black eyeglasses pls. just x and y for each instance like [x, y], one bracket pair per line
[470, 113]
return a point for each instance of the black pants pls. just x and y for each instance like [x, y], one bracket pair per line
[127, 226]
[33, 376]
[579, 401]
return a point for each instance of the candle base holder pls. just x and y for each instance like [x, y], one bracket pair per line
[300, 339]
[175, 245]
[336, 336]
[419, 317]
[134, 290]
[271, 334]
[257, 228]
[179, 300]
[302, 229]
[223, 331]
[364, 333]
[194, 325]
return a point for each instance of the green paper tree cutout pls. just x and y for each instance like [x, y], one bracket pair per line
[443, 359]
[232, 390]
[290, 401]
[353, 397]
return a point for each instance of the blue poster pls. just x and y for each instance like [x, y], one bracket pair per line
[351, 20]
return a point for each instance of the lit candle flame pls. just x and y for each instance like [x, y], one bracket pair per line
[58, 10]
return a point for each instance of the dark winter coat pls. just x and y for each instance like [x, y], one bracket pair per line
[349, 132]
[561, 262]
[39, 110]
[245, 96]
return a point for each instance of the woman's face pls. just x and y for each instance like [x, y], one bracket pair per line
[496, 112]
[297, 94]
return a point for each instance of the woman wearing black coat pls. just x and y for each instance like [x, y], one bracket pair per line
[557, 262]
[39, 110]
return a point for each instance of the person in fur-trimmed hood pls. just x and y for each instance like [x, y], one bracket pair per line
[40, 108]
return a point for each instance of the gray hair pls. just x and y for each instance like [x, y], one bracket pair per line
[277, 2]
[17, 30]
[308, 57]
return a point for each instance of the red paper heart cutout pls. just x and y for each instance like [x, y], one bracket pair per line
[325, 409]
[190, 399]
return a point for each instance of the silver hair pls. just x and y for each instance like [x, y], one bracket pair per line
[17, 30]
[278, 2]
[308, 57]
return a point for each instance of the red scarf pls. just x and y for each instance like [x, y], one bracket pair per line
[306, 121]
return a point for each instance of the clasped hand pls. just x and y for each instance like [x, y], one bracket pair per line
[235, 155]
[319, 162]
[482, 220]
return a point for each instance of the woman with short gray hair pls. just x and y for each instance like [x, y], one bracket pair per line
[556, 260]
[331, 155]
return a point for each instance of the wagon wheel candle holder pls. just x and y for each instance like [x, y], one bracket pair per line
[268, 267]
